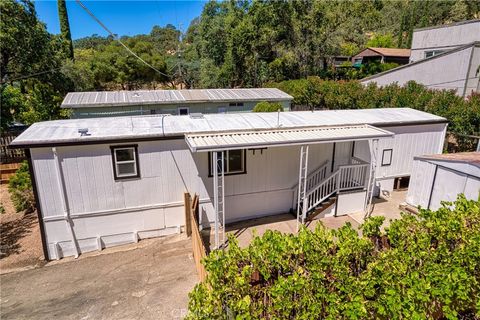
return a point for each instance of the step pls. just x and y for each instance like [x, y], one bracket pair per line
[322, 207]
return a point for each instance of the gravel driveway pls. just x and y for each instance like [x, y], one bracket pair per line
[148, 280]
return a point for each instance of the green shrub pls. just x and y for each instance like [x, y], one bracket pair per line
[20, 188]
[315, 93]
[265, 106]
[421, 267]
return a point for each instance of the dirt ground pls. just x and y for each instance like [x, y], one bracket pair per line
[148, 280]
[20, 242]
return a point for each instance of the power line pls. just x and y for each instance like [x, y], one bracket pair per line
[115, 37]
[31, 75]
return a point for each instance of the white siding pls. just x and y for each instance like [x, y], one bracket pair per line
[447, 71]
[113, 212]
[420, 183]
[443, 38]
[106, 212]
[435, 181]
[408, 142]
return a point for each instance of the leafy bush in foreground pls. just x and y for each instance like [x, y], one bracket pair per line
[421, 267]
[20, 188]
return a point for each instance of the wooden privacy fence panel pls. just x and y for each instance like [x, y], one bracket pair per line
[10, 155]
[192, 229]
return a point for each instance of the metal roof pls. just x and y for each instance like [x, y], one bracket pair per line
[162, 126]
[280, 137]
[149, 97]
[464, 157]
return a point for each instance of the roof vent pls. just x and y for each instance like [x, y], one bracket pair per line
[83, 132]
[196, 115]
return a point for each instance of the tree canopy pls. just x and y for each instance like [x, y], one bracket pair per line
[231, 44]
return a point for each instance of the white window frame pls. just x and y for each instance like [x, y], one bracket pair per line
[116, 163]
[243, 170]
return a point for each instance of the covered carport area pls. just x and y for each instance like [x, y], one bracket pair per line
[312, 189]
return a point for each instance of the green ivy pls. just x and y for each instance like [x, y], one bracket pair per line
[421, 267]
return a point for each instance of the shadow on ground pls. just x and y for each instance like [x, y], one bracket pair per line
[11, 232]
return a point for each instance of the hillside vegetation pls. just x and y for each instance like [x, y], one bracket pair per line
[231, 44]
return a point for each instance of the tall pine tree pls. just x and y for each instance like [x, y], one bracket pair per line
[65, 27]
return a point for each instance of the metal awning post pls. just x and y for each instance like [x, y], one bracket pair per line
[219, 196]
[371, 177]
[302, 201]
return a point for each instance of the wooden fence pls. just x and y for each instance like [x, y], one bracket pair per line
[10, 155]
[193, 230]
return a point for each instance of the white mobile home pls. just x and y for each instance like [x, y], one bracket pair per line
[102, 182]
[174, 102]
[441, 177]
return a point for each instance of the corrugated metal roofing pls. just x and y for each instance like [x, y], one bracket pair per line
[146, 97]
[158, 126]
[280, 137]
[465, 157]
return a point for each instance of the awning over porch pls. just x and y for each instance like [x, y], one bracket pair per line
[218, 141]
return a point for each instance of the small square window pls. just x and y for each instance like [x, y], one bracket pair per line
[387, 157]
[183, 111]
[125, 162]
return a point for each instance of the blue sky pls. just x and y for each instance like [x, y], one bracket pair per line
[122, 17]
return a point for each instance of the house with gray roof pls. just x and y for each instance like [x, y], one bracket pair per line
[174, 102]
[102, 182]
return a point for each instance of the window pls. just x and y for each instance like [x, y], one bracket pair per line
[387, 157]
[433, 53]
[234, 162]
[236, 104]
[183, 111]
[125, 162]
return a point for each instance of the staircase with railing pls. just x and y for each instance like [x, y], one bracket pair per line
[321, 186]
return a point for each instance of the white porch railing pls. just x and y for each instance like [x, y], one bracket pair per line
[346, 177]
[313, 179]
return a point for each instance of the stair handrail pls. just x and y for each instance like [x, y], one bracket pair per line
[334, 183]
[324, 190]
[313, 173]
[320, 172]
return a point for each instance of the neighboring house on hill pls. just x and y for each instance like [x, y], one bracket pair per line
[175, 102]
[441, 177]
[382, 55]
[442, 57]
[431, 41]
[102, 182]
